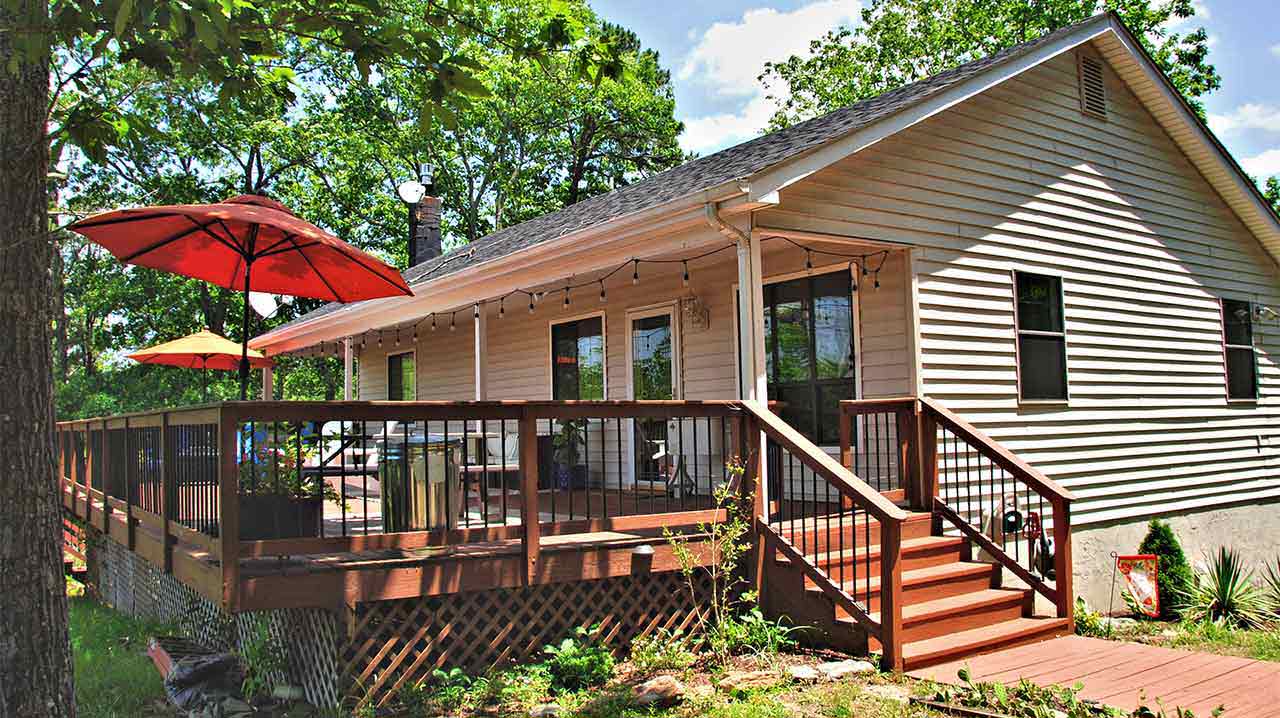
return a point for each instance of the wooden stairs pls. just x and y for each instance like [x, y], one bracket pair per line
[952, 606]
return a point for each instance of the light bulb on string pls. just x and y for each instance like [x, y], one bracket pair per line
[502, 307]
[853, 281]
[379, 338]
[877, 283]
[566, 296]
[397, 336]
[475, 311]
[362, 339]
[602, 297]
[863, 265]
[685, 279]
[453, 321]
[531, 304]
[808, 261]
[635, 271]
[433, 321]
[415, 333]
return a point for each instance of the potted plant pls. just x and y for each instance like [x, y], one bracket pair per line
[277, 498]
[567, 446]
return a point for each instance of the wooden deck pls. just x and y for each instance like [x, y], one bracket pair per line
[1126, 675]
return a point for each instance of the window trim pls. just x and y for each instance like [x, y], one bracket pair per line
[414, 352]
[1226, 348]
[1017, 339]
[549, 348]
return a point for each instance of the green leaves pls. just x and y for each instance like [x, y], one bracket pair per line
[123, 17]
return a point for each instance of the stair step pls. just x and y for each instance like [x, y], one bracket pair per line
[925, 584]
[952, 614]
[984, 639]
[916, 553]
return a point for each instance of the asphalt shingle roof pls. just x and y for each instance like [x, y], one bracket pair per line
[736, 162]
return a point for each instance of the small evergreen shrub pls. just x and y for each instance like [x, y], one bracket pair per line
[1174, 577]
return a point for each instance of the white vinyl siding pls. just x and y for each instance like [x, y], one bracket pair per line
[1019, 179]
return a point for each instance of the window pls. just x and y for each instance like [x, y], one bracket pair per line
[1042, 338]
[1237, 333]
[402, 382]
[577, 359]
[808, 329]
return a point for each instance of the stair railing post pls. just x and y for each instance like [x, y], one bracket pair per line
[1062, 559]
[531, 541]
[891, 594]
[908, 420]
[928, 441]
[846, 449]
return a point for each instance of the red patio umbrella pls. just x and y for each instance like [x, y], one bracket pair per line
[247, 242]
[203, 350]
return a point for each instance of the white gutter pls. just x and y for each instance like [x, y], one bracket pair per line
[361, 316]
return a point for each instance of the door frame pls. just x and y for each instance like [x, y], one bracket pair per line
[669, 308]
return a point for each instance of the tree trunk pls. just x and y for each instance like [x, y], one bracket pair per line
[35, 657]
[62, 336]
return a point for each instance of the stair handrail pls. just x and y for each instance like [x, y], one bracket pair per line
[822, 464]
[888, 629]
[934, 414]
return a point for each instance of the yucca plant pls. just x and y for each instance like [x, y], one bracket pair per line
[1271, 587]
[1226, 594]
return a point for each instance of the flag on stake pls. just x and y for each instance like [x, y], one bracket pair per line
[1140, 576]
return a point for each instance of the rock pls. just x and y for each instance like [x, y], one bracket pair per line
[750, 680]
[659, 691]
[836, 670]
[1119, 622]
[544, 710]
[804, 674]
[889, 692]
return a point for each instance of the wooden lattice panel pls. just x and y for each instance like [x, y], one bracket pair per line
[399, 643]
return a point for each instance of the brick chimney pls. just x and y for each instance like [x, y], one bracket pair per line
[424, 243]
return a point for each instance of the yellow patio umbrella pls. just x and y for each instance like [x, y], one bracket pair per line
[203, 350]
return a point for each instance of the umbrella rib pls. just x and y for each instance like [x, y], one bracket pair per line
[372, 271]
[295, 248]
[88, 222]
[272, 249]
[164, 242]
[319, 274]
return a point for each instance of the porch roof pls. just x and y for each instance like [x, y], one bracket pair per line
[761, 166]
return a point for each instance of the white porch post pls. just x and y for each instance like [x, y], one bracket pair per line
[751, 364]
[268, 384]
[481, 342]
[348, 367]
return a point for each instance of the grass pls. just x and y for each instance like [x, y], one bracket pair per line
[114, 677]
[1258, 644]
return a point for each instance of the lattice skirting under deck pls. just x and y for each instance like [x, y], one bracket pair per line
[398, 643]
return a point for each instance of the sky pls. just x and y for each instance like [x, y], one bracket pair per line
[715, 50]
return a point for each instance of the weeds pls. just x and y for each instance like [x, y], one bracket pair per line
[663, 650]
[578, 661]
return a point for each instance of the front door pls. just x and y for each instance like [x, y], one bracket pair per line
[653, 374]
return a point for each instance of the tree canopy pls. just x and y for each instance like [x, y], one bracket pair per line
[901, 41]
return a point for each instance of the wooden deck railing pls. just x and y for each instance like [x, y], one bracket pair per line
[195, 490]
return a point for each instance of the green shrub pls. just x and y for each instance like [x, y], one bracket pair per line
[519, 686]
[579, 662]
[1174, 573]
[1225, 593]
[750, 632]
[663, 650]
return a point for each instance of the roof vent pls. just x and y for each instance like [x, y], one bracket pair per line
[1093, 86]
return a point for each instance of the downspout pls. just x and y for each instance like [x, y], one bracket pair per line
[748, 316]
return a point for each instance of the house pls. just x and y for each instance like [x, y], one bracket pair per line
[1047, 241]
[1007, 314]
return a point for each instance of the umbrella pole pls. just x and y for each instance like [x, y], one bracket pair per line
[244, 336]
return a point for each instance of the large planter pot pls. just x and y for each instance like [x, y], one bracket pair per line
[272, 516]
[570, 477]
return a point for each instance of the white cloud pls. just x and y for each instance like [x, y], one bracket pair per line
[1263, 165]
[1249, 116]
[1177, 24]
[1275, 50]
[728, 57]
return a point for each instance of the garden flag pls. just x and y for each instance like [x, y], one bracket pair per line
[1140, 576]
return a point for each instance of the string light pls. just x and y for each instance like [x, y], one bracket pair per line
[685, 280]
[531, 304]
[433, 321]
[453, 321]
[502, 307]
[475, 311]
[635, 271]
[853, 281]
[566, 296]
[379, 338]
[397, 336]
[415, 333]
[602, 297]
[808, 261]
[362, 338]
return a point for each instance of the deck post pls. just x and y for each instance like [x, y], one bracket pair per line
[908, 454]
[891, 594]
[167, 494]
[1062, 576]
[532, 541]
[229, 506]
[105, 461]
[130, 466]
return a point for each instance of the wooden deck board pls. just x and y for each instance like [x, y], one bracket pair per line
[1121, 674]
